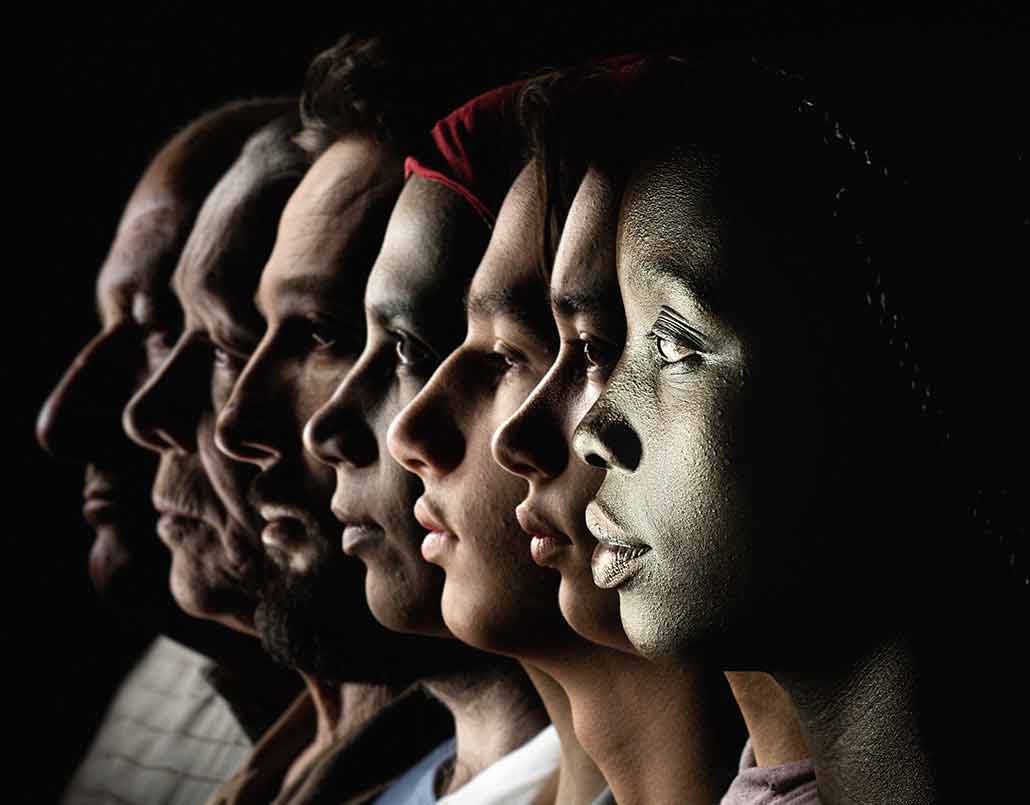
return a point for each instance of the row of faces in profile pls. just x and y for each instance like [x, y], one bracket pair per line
[458, 408]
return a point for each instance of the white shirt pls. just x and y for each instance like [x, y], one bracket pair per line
[516, 778]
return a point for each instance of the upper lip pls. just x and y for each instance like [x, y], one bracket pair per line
[347, 516]
[605, 527]
[536, 525]
[175, 508]
[428, 517]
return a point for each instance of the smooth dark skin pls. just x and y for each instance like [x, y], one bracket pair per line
[494, 596]
[310, 298]
[732, 428]
[654, 731]
[206, 520]
[82, 418]
[414, 317]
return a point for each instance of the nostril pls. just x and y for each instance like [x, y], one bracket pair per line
[595, 460]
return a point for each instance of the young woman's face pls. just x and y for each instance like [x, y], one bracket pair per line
[709, 427]
[536, 441]
[494, 596]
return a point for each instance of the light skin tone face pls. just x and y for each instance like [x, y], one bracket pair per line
[200, 493]
[536, 442]
[310, 297]
[494, 596]
[414, 318]
[708, 426]
[81, 420]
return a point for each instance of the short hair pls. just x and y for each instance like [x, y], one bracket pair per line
[362, 85]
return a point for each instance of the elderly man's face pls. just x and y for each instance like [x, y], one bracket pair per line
[494, 596]
[313, 613]
[536, 441]
[81, 420]
[201, 494]
[415, 318]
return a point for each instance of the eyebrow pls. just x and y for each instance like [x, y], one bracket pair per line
[700, 285]
[569, 304]
[525, 305]
[307, 286]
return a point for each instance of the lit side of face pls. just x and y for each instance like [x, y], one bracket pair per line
[313, 614]
[201, 494]
[536, 441]
[494, 596]
[81, 419]
[415, 317]
[706, 428]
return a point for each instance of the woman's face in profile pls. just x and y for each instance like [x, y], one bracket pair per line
[708, 426]
[536, 441]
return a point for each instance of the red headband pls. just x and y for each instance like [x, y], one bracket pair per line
[477, 150]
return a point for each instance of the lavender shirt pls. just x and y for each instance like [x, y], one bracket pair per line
[792, 783]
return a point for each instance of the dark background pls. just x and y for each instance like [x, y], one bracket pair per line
[91, 94]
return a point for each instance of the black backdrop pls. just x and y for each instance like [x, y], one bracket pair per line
[92, 93]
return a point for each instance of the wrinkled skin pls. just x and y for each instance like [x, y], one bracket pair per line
[313, 614]
[81, 420]
[206, 519]
[494, 596]
[536, 441]
[414, 319]
[711, 428]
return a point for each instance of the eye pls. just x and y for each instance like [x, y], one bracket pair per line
[159, 343]
[671, 351]
[221, 357]
[323, 334]
[410, 351]
[599, 355]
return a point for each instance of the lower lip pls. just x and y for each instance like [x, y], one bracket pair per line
[357, 538]
[546, 550]
[614, 565]
[173, 529]
[436, 545]
[284, 535]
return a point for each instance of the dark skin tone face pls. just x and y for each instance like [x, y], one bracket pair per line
[709, 428]
[81, 420]
[414, 318]
[494, 596]
[206, 519]
[536, 441]
[310, 298]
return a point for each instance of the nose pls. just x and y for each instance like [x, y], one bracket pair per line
[605, 438]
[425, 437]
[531, 443]
[245, 429]
[338, 434]
[163, 415]
[81, 419]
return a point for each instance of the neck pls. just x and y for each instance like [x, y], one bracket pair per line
[341, 711]
[659, 734]
[772, 722]
[860, 720]
[579, 780]
[495, 711]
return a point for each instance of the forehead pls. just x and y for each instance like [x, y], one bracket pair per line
[673, 227]
[333, 222]
[433, 243]
[512, 260]
[584, 264]
[142, 256]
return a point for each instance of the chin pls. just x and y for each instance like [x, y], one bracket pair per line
[128, 579]
[594, 615]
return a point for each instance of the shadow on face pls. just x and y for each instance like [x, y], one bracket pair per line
[202, 496]
[415, 318]
[536, 441]
[494, 596]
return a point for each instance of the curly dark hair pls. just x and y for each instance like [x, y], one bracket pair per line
[362, 84]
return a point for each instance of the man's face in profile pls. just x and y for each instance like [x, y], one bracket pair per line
[201, 494]
[313, 614]
[81, 420]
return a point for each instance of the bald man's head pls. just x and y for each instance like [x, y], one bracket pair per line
[81, 419]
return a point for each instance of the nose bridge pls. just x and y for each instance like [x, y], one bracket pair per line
[241, 424]
[164, 412]
[425, 435]
[84, 409]
[605, 438]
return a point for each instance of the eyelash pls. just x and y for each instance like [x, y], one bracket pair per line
[596, 365]
[402, 340]
[682, 336]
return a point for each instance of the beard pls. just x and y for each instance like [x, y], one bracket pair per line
[314, 621]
